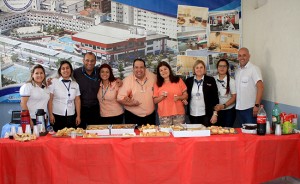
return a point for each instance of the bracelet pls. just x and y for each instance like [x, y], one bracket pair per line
[225, 105]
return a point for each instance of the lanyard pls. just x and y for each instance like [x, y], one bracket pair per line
[222, 82]
[104, 92]
[198, 82]
[68, 88]
[142, 85]
[95, 78]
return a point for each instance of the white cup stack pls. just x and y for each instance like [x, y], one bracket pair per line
[35, 131]
[28, 129]
[20, 131]
[13, 130]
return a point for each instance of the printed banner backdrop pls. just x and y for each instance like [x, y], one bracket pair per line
[163, 38]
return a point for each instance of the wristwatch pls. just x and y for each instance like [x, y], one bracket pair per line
[256, 105]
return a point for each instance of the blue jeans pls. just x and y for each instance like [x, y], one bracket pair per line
[245, 116]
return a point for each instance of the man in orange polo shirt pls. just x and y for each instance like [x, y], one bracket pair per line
[136, 94]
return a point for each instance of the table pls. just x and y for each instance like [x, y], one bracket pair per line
[238, 158]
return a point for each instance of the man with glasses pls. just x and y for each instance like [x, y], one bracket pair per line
[136, 95]
[249, 88]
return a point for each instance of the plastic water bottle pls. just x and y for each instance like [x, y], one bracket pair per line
[261, 121]
[275, 117]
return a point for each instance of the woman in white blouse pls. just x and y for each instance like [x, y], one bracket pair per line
[64, 103]
[34, 93]
[227, 95]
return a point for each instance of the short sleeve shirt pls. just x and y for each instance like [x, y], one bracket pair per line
[38, 98]
[108, 100]
[143, 94]
[168, 107]
[62, 101]
[246, 79]
[222, 84]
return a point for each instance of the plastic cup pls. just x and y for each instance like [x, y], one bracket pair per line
[35, 131]
[28, 129]
[165, 93]
[50, 130]
[13, 130]
[20, 131]
[73, 134]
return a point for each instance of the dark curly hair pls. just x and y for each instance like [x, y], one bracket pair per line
[111, 75]
[160, 80]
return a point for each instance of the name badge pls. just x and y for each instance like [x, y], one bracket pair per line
[70, 102]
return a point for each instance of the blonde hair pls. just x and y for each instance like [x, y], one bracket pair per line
[197, 62]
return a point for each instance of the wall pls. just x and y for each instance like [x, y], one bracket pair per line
[270, 31]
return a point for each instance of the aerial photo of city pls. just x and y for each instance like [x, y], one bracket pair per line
[48, 31]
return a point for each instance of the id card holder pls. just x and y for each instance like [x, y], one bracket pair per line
[70, 102]
[198, 95]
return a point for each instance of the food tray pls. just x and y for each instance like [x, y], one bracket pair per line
[98, 129]
[246, 131]
[122, 128]
[217, 130]
[192, 130]
[123, 136]
[148, 128]
[55, 136]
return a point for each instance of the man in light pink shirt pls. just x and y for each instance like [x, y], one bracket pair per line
[136, 94]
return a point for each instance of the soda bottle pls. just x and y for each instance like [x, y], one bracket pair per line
[275, 117]
[25, 119]
[261, 121]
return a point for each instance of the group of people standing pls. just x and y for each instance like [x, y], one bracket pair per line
[92, 95]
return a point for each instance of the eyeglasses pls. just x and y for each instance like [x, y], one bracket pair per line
[222, 66]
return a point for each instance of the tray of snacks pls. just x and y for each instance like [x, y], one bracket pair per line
[190, 130]
[218, 130]
[79, 132]
[249, 128]
[154, 134]
[148, 128]
[96, 136]
[122, 128]
[98, 129]
[24, 137]
[65, 132]
[166, 128]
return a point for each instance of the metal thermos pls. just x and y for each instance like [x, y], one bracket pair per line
[41, 122]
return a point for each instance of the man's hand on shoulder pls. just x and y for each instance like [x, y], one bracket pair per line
[49, 81]
[119, 82]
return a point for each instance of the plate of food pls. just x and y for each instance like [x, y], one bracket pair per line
[218, 130]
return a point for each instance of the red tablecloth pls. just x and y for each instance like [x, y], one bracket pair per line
[239, 158]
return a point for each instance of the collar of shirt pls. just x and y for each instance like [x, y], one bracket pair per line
[222, 80]
[195, 78]
[139, 80]
[109, 84]
[61, 78]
